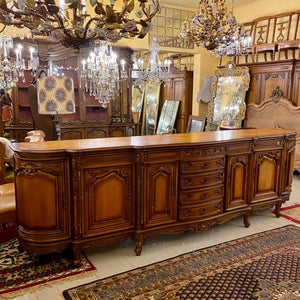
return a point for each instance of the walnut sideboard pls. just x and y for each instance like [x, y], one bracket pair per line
[82, 193]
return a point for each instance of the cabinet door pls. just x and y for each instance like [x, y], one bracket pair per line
[43, 200]
[237, 181]
[266, 175]
[108, 200]
[160, 193]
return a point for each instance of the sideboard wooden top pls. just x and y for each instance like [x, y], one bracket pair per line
[153, 141]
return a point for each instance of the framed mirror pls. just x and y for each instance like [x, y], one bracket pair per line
[137, 100]
[195, 124]
[168, 116]
[150, 110]
[227, 107]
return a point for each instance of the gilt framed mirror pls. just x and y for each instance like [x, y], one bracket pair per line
[227, 107]
[168, 116]
[150, 110]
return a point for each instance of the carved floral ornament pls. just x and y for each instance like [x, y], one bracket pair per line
[73, 26]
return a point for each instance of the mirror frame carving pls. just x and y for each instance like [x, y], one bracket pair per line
[226, 72]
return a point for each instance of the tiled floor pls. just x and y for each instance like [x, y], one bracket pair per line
[120, 257]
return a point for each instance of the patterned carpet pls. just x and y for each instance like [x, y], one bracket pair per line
[261, 266]
[20, 273]
[291, 213]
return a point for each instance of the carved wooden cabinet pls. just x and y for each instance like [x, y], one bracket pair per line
[82, 193]
[265, 77]
[180, 87]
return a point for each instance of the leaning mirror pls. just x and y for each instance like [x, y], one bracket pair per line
[168, 117]
[150, 110]
[227, 107]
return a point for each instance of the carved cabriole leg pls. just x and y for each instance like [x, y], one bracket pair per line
[277, 209]
[246, 219]
[76, 253]
[138, 237]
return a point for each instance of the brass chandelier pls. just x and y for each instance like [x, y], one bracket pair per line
[216, 29]
[73, 27]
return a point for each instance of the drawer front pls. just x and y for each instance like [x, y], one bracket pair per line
[206, 209]
[202, 165]
[201, 195]
[200, 180]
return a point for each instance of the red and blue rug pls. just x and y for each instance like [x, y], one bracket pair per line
[20, 273]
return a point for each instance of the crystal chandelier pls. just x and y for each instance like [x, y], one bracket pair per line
[71, 25]
[154, 71]
[100, 73]
[11, 70]
[217, 30]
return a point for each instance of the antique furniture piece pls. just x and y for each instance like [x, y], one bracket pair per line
[7, 204]
[227, 106]
[179, 87]
[99, 191]
[266, 76]
[168, 116]
[274, 35]
[276, 112]
[195, 124]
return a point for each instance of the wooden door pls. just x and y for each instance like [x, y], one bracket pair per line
[266, 173]
[108, 204]
[43, 200]
[237, 179]
[160, 193]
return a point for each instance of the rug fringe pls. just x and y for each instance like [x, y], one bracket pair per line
[24, 291]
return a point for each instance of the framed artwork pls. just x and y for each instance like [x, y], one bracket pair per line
[150, 111]
[168, 116]
[195, 124]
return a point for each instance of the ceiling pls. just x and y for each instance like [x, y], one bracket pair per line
[194, 3]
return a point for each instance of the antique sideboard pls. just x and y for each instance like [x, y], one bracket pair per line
[82, 193]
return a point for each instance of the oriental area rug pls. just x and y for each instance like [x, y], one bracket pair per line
[261, 266]
[20, 273]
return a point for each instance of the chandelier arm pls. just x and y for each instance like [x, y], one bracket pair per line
[123, 11]
[149, 16]
[88, 24]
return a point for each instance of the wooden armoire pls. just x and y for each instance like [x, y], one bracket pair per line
[180, 87]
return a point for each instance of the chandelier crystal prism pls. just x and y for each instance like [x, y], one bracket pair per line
[217, 30]
[73, 26]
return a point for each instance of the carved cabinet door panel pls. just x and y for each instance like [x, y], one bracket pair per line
[266, 173]
[43, 200]
[160, 193]
[237, 179]
[108, 204]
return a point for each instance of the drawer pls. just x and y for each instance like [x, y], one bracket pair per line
[200, 180]
[194, 166]
[201, 195]
[205, 209]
